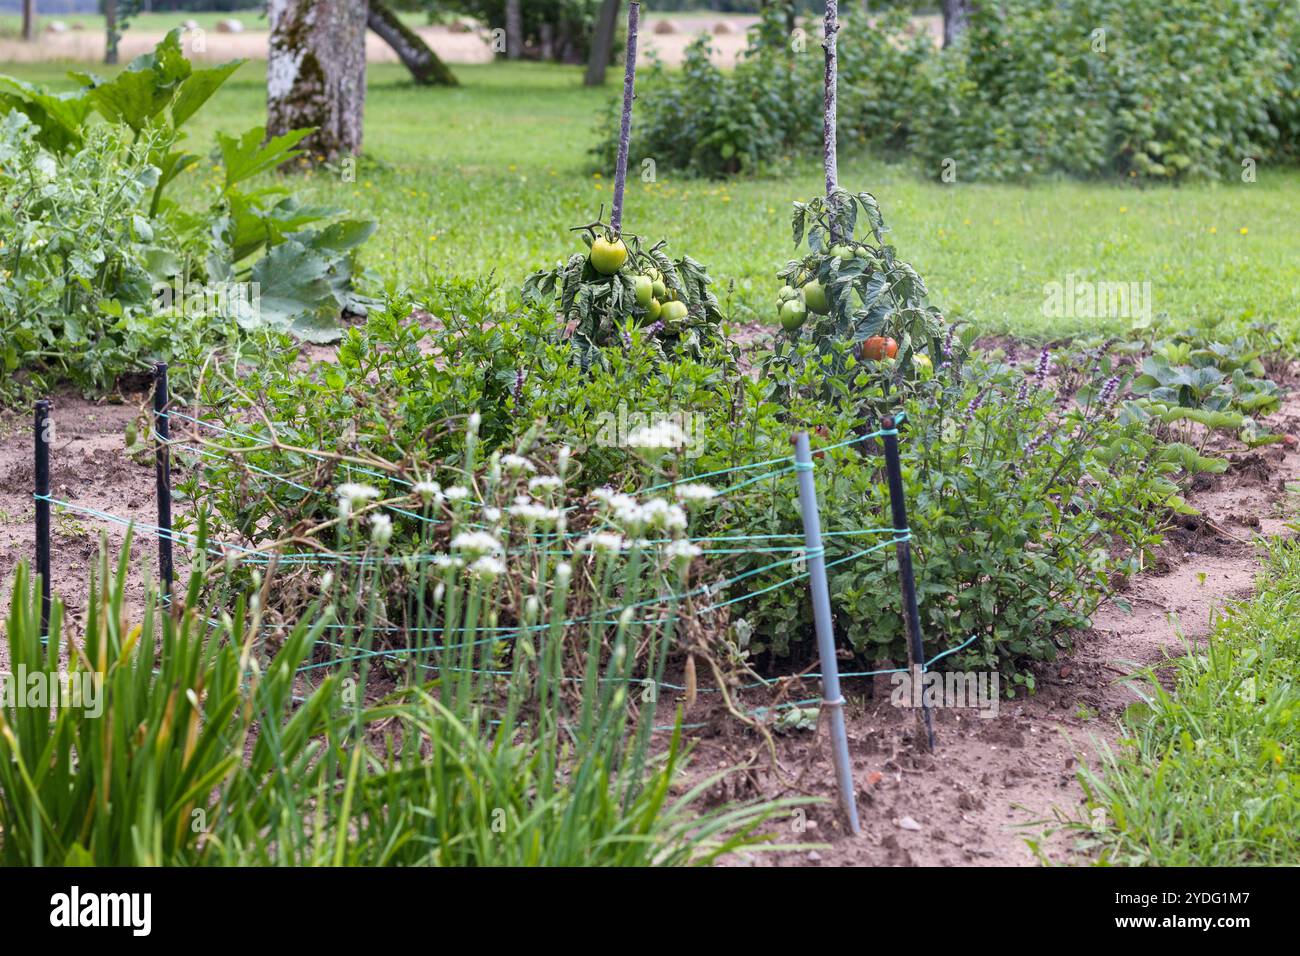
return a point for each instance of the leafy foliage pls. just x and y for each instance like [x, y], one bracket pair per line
[704, 121]
[1190, 88]
[598, 310]
[103, 271]
[869, 291]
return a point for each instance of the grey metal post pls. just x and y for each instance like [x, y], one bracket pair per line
[832, 699]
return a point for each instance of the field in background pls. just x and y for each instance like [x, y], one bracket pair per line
[488, 178]
[84, 39]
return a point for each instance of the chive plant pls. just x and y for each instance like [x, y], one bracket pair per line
[520, 731]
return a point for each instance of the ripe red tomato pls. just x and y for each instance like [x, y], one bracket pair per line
[878, 347]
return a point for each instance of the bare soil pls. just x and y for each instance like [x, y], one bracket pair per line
[995, 784]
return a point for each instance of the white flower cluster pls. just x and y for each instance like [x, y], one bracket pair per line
[544, 483]
[428, 490]
[602, 541]
[456, 493]
[631, 515]
[476, 542]
[532, 512]
[517, 464]
[350, 495]
[661, 436]
[694, 492]
[488, 567]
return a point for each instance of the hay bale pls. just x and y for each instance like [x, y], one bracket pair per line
[720, 28]
[56, 26]
[230, 26]
[665, 27]
[190, 25]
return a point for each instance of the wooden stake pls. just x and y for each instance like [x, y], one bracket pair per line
[625, 131]
[831, 27]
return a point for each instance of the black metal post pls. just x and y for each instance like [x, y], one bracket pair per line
[162, 468]
[43, 436]
[911, 612]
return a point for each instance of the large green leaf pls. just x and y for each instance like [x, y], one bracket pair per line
[297, 293]
[60, 116]
[198, 87]
[247, 156]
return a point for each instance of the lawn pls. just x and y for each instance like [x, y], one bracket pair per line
[489, 176]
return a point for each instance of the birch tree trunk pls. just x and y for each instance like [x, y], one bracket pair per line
[316, 73]
[602, 44]
[514, 30]
[414, 53]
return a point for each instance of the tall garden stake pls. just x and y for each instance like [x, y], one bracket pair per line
[43, 437]
[911, 613]
[625, 131]
[831, 28]
[163, 476]
[832, 699]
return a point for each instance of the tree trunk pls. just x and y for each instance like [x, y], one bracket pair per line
[316, 73]
[602, 44]
[954, 19]
[423, 63]
[110, 28]
[514, 30]
[29, 19]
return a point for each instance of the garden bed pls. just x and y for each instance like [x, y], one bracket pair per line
[992, 784]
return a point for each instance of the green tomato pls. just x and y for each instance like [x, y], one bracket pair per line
[814, 296]
[608, 257]
[655, 308]
[841, 252]
[793, 314]
[659, 289]
[673, 311]
[923, 364]
[644, 291]
[787, 292]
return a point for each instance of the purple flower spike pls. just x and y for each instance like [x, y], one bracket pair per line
[1044, 365]
[1109, 391]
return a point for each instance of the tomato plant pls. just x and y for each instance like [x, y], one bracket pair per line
[620, 283]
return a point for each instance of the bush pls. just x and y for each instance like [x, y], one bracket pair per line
[103, 272]
[701, 120]
[1183, 89]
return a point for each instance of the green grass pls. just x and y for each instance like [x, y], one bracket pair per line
[489, 176]
[1211, 777]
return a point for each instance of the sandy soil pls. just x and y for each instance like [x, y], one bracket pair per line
[88, 467]
[994, 784]
[87, 46]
